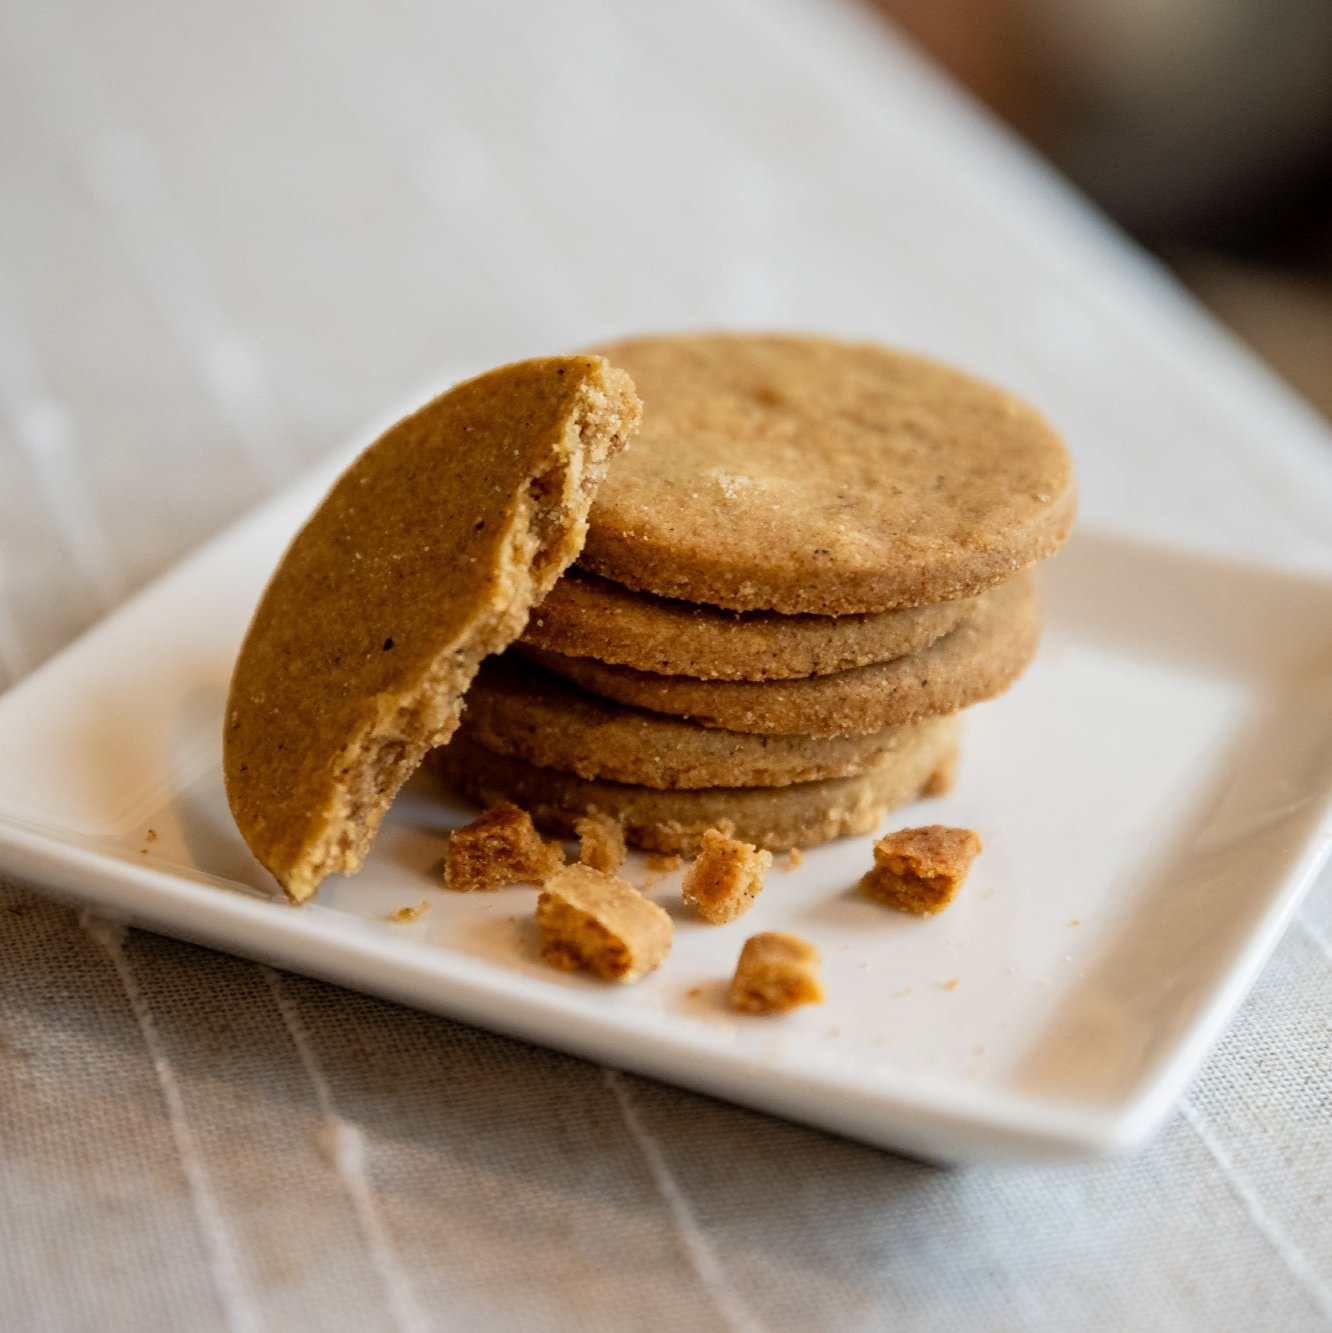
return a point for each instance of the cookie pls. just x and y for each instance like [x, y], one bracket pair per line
[800, 815]
[799, 474]
[978, 660]
[426, 556]
[586, 616]
[517, 709]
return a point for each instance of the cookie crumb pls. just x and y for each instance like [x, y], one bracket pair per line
[795, 858]
[952, 984]
[919, 870]
[600, 841]
[943, 779]
[600, 923]
[151, 835]
[499, 848]
[665, 864]
[725, 878]
[1075, 923]
[405, 914]
[775, 973]
[694, 992]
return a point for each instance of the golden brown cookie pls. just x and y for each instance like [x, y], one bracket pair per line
[800, 474]
[585, 616]
[978, 660]
[800, 815]
[515, 708]
[427, 555]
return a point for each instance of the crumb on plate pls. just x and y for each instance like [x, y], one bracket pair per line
[943, 779]
[600, 841]
[775, 973]
[725, 878]
[499, 848]
[919, 870]
[594, 922]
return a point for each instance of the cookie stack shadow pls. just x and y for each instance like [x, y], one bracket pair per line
[813, 559]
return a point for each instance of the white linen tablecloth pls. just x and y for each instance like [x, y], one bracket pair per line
[229, 235]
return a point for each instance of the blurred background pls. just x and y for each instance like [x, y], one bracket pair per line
[1204, 127]
[230, 235]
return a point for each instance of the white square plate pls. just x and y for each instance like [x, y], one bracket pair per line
[1154, 796]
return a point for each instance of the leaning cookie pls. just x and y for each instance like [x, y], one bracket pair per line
[515, 708]
[800, 815]
[978, 660]
[426, 556]
[584, 616]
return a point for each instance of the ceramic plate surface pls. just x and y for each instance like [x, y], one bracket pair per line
[1153, 796]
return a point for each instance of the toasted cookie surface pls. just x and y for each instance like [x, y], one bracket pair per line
[517, 709]
[978, 660]
[806, 475]
[586, 616]
[802, 814]
[427, 555]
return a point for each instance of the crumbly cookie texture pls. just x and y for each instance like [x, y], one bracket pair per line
[802, 814]
[594, 922]
[978, 660]
[516, 708]
[944, 778]
[585, 616]
[499, 848]
[426, 556]
[919, 870]
[776, 972]
[600, 842]
[803, 474]
[725, 877]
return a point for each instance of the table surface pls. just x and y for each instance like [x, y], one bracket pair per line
[230, 234]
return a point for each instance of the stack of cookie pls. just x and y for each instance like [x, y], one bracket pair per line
[813, 556]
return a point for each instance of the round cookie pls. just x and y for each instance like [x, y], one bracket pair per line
[585, 616]
[978, 660]
[799, 474]
[800, 815]
[426, 556]
[515, 708]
